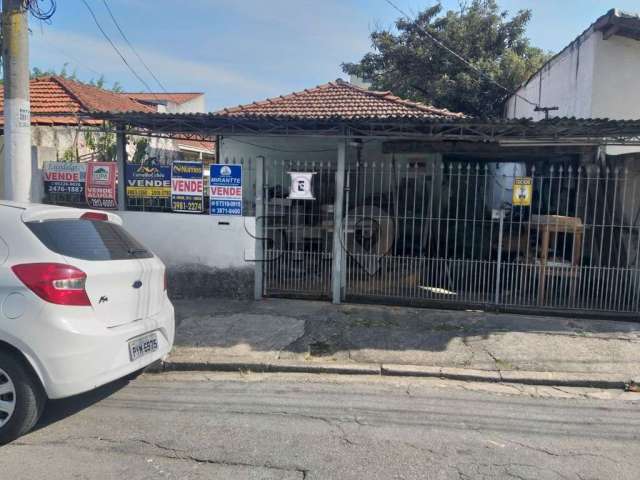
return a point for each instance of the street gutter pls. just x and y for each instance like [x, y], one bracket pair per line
[566, 379]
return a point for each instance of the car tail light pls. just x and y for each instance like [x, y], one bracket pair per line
[54, 282]
[102, 217]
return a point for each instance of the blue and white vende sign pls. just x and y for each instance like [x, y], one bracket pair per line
[225, 189]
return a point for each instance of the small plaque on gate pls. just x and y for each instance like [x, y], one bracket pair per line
[522, 191]
[301, 186]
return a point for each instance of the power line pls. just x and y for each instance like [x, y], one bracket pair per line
[131, 46]
[460, 57]
[104, 34]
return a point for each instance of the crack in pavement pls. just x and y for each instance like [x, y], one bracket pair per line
[172, 453]
[558, 454]
[506, 469]
[335, 424]
[495, 361]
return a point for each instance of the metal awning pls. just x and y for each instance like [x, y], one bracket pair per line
[206, 126]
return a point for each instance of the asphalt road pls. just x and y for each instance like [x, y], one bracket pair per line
[231, 426]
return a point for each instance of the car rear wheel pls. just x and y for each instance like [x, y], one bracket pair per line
[22, 399]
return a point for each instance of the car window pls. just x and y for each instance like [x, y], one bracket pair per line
[88, 239]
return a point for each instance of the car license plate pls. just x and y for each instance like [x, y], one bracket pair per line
[141, 346]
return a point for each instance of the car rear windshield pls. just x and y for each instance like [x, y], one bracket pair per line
[88, 239]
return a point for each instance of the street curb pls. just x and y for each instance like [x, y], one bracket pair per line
[560, 379]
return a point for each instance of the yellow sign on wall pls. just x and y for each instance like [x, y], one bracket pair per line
[522, 191]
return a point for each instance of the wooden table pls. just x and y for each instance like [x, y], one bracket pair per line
[554, 224]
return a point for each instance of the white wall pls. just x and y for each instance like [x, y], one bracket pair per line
[195, 105]
[615, 83]
[183, 239]
[616, 78]
[566, 82]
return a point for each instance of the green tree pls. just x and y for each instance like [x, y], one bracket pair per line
[406, 61]
[103, 144]
[100, 82]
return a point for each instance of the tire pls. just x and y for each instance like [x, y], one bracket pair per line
[28, 397]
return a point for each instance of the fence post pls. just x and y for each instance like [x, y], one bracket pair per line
[259, 236]
[499, 257]
[121, 159]
[338, 252]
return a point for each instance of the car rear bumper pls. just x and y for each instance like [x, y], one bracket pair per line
[85, 360]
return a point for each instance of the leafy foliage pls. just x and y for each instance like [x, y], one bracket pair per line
[406, 61]
[99, 82]
[103, 144]
[142, 145]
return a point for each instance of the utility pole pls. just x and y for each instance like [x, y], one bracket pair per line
[17, 110]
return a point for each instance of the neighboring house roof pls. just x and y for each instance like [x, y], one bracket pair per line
[196, 145]
[614, 22]
[174, 97]
[338, 100]
[60, 101]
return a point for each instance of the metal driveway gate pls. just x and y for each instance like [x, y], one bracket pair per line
[298, 233]
[456, 234]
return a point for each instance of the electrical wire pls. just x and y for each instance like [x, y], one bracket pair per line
[460, 57]
[44, 14]
[131, 46]
[104, 34]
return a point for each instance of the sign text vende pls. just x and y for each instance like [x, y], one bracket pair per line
[186, 186]
[226, 192]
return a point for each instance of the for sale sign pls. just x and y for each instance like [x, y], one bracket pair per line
[100, 190]
[65, 178]
[225, 191]
[148, 181]
[187, 187]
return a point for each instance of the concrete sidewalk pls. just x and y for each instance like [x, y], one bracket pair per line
[295, 335]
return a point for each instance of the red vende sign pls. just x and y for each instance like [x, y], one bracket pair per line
[62, 176]
[229, 192]
[100, 188]
[181, 185]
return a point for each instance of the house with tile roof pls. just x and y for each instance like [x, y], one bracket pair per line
[62, 122]
[350, 194]
[337, 100]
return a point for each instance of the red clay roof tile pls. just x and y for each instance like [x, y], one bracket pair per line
[338, 99]
[60, 101]
[208, 147]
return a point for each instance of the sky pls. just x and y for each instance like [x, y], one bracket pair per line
[239, 51]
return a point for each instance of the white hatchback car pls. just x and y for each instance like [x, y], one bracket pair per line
[82, 303]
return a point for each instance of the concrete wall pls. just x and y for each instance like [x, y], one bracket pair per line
[566, 81]
[615, 79]
[615, 83]
[195, 105]
[63, 139]
[204, 256]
